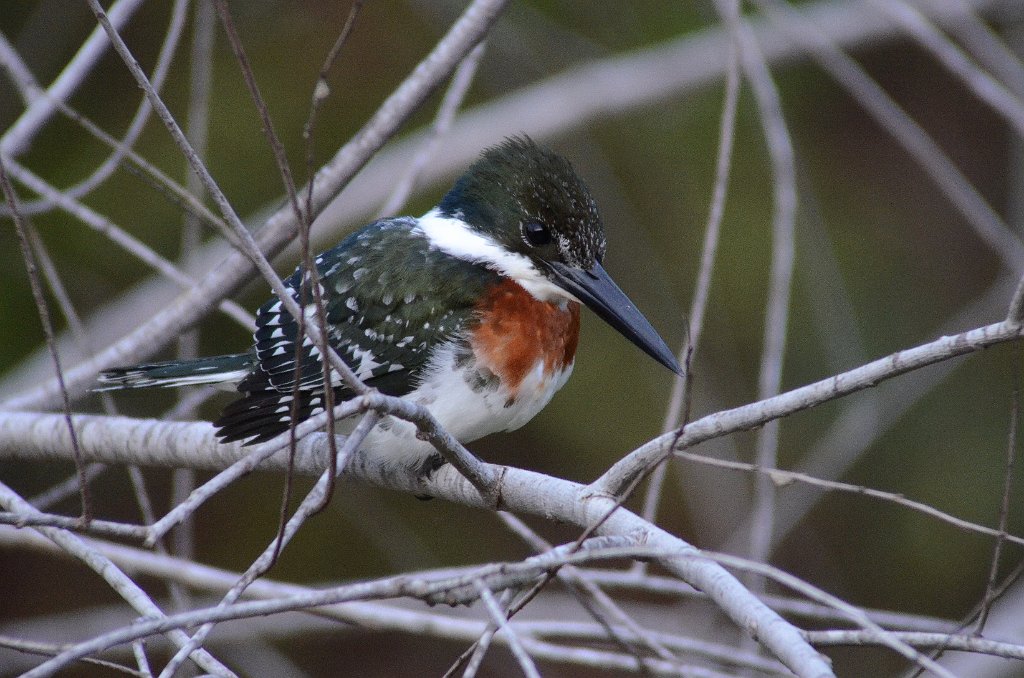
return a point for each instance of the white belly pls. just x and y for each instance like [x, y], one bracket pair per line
[467, 407]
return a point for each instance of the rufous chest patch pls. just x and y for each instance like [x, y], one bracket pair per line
[517, 332]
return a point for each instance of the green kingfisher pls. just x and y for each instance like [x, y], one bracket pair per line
[472, 311]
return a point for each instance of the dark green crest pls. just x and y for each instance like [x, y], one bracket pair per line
[530, 201]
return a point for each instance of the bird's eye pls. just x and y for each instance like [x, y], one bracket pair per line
[536, 233]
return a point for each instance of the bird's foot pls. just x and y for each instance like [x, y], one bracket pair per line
[426, 470]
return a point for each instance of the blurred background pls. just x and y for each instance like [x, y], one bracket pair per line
[884, 261]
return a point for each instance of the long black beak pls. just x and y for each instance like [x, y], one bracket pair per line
[598, 291]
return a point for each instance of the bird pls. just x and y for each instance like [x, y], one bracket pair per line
[471, 310]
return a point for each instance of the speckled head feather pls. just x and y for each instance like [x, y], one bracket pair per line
[518, 185]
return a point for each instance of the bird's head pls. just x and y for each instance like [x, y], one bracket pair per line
[523, 211]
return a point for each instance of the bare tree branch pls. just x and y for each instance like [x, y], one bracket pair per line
[519, 491]
[755, 414]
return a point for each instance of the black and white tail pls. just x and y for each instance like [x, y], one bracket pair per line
[226, 370]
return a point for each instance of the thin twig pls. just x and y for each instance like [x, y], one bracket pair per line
[311, 504]
[673, 588]
[197, 130]
[99, 528]
[139, 650]
[145, 170]
[865, 419]
[473, 656]
[597, 603]
[450, 103]
[19, 72]
[498, 617]
[780, 148]
[310, 278]
[322, 89]
[320, 93]
[681, 385]
[66, 306]
[23, 228]
[1004, 509]
[276, 147]
[53, 649]
[920, 640]
[749, 416]
[782, 478]
[58, 290]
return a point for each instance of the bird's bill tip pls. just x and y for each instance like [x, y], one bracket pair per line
[599, 293]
